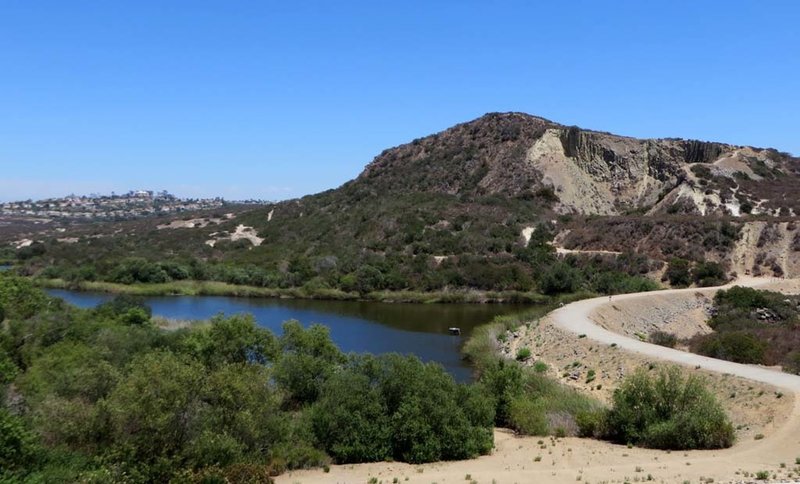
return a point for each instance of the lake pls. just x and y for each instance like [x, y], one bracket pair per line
[357, 326]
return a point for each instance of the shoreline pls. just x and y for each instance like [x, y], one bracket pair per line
[214, 288]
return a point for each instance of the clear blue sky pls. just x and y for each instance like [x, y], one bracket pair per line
[279, 99]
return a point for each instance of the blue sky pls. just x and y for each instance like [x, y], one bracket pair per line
[279, 99]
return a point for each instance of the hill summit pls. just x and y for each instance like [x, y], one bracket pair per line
[590, 172]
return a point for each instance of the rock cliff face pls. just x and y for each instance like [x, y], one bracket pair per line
[515, 154]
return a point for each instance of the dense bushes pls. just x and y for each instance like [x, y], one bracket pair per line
[100, 392]
[393, 407]
[664, 410]
[531, 403]
[738, 346]
[413, 242]
[681, 273]
[707, 274]
[663, 338]
[753, 326]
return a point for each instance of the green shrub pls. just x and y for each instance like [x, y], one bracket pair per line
[738, 346]
[707, 274]
[17, 444]
[393, 407]
[528, 417]
[663, 338]
[591, 423]
[523, 354]
[503, 381]
[668, 411]
[679, 273]
[560, 278]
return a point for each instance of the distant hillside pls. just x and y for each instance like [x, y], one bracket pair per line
[476, 206]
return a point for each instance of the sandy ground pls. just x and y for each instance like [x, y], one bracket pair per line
[767, 417]
[190, 224]
[241, 232]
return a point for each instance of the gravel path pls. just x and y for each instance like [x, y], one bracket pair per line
[576, 317]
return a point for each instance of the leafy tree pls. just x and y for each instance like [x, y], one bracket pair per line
[236, 339]
[369, 279]
[138, 269]
[18, 448]
[503, 381]
[19, 298]
[70, 370]
[306, 362]
[155, 411]
[350, 420]
[131, 309]
[241, 416]
[398, 407]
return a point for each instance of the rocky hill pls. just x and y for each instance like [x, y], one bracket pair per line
[515, 154]
[479, 206]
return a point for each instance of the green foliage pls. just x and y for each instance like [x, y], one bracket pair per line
[307, 360]
[739, 297]
[17, 444]
[503, 381]
[707, 274]
[753, 326]
[159, 398]
[19, 298]
[231, 340]
[667, 411]
[560, 278]
[663, 338]
[527, 416]
[393, 407]
[679, 273]
[591, 423]
[613, 282]
[738, 346]
[121, 305]
[523, 354]
[351, 421]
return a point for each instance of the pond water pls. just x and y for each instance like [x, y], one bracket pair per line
[358, 326]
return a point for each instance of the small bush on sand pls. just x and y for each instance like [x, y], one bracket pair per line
[663, 338]
[666, 410]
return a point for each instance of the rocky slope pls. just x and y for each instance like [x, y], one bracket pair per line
[590, 172]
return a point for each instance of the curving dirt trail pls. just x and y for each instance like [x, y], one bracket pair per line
[576, 317]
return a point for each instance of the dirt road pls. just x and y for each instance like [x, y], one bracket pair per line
[577, 318]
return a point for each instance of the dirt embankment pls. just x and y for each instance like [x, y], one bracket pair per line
[683, 315]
